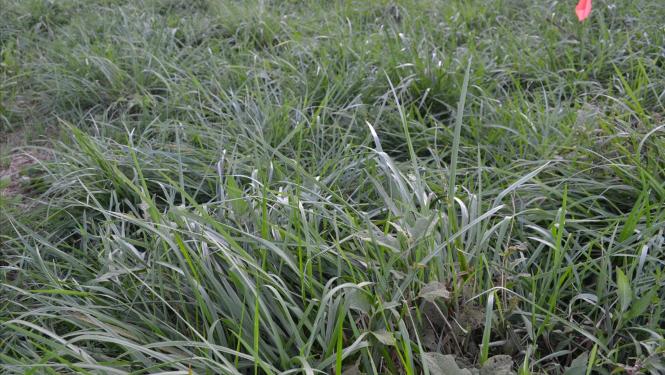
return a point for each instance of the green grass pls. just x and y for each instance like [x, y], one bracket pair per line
[264, 187]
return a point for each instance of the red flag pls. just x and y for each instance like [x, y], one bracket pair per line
[583, 9]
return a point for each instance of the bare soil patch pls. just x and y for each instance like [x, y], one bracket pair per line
[16, 156]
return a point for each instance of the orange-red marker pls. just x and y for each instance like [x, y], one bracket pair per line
[583, 9]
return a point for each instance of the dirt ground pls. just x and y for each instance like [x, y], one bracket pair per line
[15, 156]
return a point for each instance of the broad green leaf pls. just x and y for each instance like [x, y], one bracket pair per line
[639, 307]
[5, 181]
[579, 365]
[632, 221]
[489, 308]
[236, 197]
[623, 289]
[359, 301]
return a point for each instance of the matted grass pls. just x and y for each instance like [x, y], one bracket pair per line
[264, 187]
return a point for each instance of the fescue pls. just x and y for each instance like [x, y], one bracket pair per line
[342, 187]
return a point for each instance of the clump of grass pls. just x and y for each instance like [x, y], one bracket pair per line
[348, 187]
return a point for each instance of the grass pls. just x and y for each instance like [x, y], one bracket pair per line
[265, 187]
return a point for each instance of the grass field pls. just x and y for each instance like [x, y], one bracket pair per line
[337, 187]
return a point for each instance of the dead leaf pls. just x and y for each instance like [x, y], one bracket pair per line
[434, 290]
[384, 337]
[498, 365]
[443, 364]
[353, 369]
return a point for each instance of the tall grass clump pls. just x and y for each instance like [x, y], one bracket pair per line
[345, 187]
